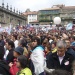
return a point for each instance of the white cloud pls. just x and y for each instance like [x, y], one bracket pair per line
[32, 4]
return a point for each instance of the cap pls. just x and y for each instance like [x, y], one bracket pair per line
[19, 50]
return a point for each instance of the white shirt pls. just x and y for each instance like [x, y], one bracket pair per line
[61, 58]
[6, 53]
[16, 43]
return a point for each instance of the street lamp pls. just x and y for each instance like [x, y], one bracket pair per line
[51, 23]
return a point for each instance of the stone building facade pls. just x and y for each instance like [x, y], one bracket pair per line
[66, 13]
[31, 17]
[8, 16]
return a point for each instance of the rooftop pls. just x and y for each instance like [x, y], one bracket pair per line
[69, 7]
[57, 7]
[31, 13]
[54, 8]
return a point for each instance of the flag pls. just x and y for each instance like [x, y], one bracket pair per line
[8, 29]
[69, 26]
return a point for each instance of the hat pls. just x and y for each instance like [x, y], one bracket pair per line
[19, 50]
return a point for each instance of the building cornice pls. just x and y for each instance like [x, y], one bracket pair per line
[12, 13]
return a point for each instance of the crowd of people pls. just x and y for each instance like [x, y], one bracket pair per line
[28, 53]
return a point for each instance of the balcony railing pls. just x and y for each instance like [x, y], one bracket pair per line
[45, 20]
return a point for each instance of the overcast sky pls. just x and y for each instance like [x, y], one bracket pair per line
[35, 5]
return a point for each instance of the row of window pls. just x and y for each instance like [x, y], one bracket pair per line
[50, 11]
[32, 19]
[32, 15]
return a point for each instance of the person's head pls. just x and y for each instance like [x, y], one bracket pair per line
[59, 72]
[9, 44]
[64, 36]
[61, 47]
[68, 43]
[22, 62]
[4, 37]
[22, 43]
[44, 43]
[30, 47]
[21, 37]
[47, 47]
[14, 37]
[72, 39]
[53, 45]
[36, 41]
[18, 51]
[43, 38]
[2, 51]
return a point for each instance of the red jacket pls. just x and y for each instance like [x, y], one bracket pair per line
[14, 69]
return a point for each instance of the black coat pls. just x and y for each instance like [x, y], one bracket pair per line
[71, 51]
[53, 62]
[4, 68]
[10, 56]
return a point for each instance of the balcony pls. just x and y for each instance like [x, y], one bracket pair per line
[45, 20]
[66, 18]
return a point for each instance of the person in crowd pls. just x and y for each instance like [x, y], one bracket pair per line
[44, 43]
[23, 43]
[73, 67]
[37, 56]
[14, 38]
[50, 38]
[22, 64]
[69, 49]
[10, 46]
[31, 66]
[1, 40]
[6, 50]
[72, 39]
[30, 48]
[48, 49]
[4, 68]
[60, 59]
[59, 72]
[53, 47]
[13, 67]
